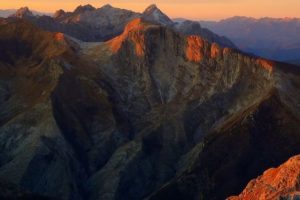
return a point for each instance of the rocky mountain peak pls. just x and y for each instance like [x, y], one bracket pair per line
[153, 14]
[106, 6]
[59, 13]
[23, 12]
[85, 8]
[151, 8]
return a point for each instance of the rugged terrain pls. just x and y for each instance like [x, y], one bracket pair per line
[276, 183]
[149, 114]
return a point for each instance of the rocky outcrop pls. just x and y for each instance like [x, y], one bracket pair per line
[275, 183]
[148, 114]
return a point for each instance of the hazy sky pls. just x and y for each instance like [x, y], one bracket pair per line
[194, 9]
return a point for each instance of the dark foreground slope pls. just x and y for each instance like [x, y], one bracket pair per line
[10, 191]
[148, 114]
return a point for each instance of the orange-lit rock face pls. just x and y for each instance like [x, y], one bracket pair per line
[267, 65]
[274, 183]
[194, 47]
[214, 50]
[59, 37]
[134, 32]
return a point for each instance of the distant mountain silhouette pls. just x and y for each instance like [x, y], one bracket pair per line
[277, 39]
[91, 24]
[9, 12]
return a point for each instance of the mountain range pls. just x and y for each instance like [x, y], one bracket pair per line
[277, 39]
[161, 110]
[91, 24]
[9, 12]
[272, 38]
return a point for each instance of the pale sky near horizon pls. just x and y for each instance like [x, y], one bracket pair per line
[193, 9]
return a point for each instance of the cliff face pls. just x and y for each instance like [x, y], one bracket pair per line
[275, 183]
[149, 114]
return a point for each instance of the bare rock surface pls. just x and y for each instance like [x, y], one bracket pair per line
[149, 114]
[275, 183]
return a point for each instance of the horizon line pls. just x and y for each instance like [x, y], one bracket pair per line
[171, 17]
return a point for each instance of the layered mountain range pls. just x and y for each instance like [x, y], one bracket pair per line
[101, 24]
[152, 113]
[277, 39]
[10, 12]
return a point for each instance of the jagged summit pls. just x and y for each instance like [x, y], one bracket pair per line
[153, 14]
[151, 8]
[107, 6]
[59, 13]
[102, 24]
[84, 8]
[23, 12]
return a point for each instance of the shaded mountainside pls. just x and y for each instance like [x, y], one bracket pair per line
[150, 114]
[242, 149]
[272, 38]
[275, 183]
[10, 191]
[91, 24]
